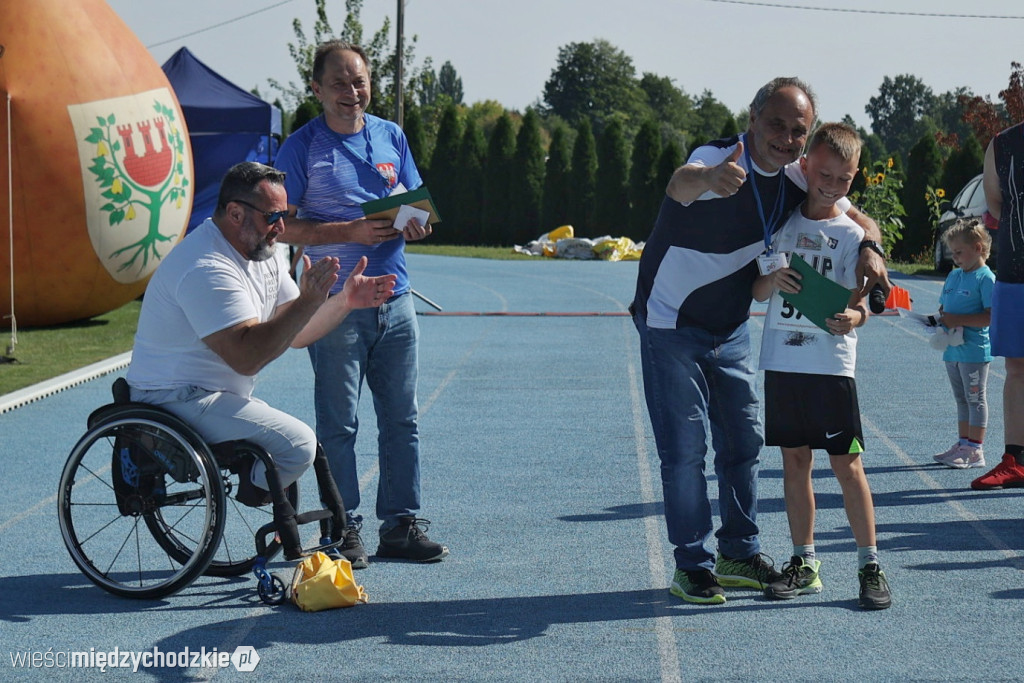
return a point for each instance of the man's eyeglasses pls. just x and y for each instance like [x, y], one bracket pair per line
[271, 216]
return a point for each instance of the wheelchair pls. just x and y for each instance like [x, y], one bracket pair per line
[146, 506]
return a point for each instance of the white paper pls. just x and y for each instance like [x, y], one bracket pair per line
[407, 211]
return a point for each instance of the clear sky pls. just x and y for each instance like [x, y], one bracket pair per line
[505, 50]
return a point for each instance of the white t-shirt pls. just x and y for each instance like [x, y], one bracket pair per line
[203, 286]
[831, 247]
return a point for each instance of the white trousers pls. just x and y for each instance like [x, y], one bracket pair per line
[220, 416]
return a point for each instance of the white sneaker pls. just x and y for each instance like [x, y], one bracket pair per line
[966, 457]
[942, 457]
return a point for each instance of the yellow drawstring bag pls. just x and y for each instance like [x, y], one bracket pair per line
[321, 582]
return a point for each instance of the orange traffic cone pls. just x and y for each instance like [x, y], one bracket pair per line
[898, 298]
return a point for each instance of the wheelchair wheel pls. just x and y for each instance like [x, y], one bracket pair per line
[237, 551]
[137, 470]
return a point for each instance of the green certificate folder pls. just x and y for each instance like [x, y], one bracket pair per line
[819, 298]
[387, 207]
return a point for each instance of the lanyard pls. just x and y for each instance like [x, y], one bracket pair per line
[365, 160]
[780, 199]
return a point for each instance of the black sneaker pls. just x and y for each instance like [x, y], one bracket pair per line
[699, 587]
[352, 549]
[799, 577]
[408, 542]
[753, 572]
[874, 589]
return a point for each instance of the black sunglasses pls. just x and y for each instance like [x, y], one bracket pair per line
[271, 216]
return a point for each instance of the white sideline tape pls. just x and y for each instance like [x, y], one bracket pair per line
[66, 381]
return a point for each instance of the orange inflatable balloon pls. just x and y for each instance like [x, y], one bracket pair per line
[100, 178]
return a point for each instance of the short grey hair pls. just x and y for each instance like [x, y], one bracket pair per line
[241, 181]
[760, 100]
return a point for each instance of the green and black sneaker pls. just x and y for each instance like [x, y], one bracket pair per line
[697, 586]
[754, 572]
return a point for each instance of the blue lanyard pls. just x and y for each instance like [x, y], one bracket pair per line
[369, 148]
[780, 199]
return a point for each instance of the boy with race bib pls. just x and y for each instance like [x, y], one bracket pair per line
[810, 391]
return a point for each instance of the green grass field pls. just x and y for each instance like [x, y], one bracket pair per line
[46, 352]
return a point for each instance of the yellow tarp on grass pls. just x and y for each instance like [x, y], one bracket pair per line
[560, 243]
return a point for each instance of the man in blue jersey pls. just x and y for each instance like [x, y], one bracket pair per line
[334, 163]
[693, 296]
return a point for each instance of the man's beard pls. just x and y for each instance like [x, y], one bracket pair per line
[262, 251]
[259, 248]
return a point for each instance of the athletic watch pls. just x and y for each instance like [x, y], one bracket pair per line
[873, 246]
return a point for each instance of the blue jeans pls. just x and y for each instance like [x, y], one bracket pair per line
[693, 379]
[380, 345]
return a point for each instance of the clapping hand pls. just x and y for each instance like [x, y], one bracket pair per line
[367, 292]
[318, 278]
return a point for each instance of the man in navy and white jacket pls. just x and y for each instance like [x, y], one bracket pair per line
[691, 308]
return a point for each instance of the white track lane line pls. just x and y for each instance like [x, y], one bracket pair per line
[668, 648]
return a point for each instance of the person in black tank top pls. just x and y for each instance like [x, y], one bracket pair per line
[1004, 191]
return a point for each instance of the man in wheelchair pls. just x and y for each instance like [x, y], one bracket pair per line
[222, 305]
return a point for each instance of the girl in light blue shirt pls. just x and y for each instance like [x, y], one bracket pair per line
[966, 302]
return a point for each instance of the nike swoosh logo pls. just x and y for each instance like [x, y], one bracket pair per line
[832, 435]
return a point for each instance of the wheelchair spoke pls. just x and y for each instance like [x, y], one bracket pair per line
[88, 538]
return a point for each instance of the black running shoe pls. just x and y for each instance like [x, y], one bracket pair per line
[352, 548]
[874, 589]
[799, 577]
[407, 541]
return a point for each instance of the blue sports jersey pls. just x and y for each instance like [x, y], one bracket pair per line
[329, 176]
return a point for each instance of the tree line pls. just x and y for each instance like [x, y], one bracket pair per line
[598, 147]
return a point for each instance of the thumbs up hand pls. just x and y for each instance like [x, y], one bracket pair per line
[726, 178]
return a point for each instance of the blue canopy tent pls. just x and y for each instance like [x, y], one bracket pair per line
[226, 125]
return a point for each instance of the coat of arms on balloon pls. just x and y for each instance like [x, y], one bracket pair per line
[134, 150]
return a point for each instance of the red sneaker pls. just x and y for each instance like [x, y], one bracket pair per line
[1007, 474]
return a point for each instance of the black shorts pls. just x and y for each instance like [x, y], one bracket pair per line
[819, 411]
